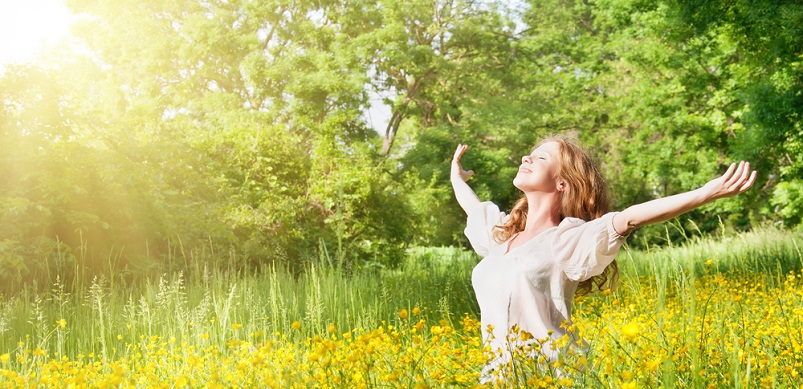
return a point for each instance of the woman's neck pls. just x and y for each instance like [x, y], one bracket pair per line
[542, 211]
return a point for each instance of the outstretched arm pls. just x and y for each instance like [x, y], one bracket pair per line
[465, 195]
[736, 180]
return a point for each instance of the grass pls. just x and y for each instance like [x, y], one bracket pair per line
[722, 312]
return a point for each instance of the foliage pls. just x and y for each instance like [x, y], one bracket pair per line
[162, 127]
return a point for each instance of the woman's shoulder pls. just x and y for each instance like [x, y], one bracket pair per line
[571, 222]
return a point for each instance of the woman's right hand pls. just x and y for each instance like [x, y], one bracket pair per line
[457, 169]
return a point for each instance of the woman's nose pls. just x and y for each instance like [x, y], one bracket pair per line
[526, 159]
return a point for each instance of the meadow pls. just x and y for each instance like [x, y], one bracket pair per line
[723, 311]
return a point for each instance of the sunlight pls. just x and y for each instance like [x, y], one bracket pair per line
[28, 27]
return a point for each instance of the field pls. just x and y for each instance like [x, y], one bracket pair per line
[721, 312]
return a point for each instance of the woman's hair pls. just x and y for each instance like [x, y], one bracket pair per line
[585, 197]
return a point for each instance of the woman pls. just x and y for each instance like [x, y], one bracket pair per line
[559, 238]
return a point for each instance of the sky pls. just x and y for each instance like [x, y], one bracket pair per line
[28, 26]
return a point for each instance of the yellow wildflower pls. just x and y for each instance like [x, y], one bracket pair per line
[631, 331]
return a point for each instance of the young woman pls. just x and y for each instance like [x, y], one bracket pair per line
[559, 238]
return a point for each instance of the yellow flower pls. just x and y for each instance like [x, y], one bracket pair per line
[331, 329]
[709, 262]
[419, 326]
[236, 326]
[62, 323]
[403, 313]
[631, 331]
[416, 311]
[204, 336]
[296, 325]
[4, 358]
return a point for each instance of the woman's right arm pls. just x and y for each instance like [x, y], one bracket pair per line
[464, 194]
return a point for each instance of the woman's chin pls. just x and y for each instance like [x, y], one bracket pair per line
[519, 184]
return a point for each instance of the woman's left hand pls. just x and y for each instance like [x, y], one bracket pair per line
[737, 179]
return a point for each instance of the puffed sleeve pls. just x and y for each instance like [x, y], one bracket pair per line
[585, 249]
[479, 228]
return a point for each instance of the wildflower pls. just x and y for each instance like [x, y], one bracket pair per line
[331, 329]
[709, 262]
[236, 326]
[296, 325]
[565, 382]
[403, 313]
[4, 358]
[416, 311]
[62, 323]
[204, 336]
[420, 325]
[631, 331]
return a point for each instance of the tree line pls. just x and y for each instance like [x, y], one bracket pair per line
[235, 128]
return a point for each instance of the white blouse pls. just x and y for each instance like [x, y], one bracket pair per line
[533, 284]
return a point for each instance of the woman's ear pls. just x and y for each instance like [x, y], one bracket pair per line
[561, 185]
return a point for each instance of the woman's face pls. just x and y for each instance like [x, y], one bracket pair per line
[538, 171]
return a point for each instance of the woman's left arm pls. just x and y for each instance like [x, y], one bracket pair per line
[736, 180]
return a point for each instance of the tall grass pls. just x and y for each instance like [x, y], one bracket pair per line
[731, 299]
[211, 298]
[728, 300]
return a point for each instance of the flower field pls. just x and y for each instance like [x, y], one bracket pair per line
[716, 313]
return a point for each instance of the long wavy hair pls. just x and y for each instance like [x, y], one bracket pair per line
[585, 197]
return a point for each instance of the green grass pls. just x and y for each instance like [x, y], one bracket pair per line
[213, 298]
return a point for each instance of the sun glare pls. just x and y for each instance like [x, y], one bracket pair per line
[29, 27]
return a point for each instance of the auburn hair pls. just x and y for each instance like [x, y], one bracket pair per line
[585, 197]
